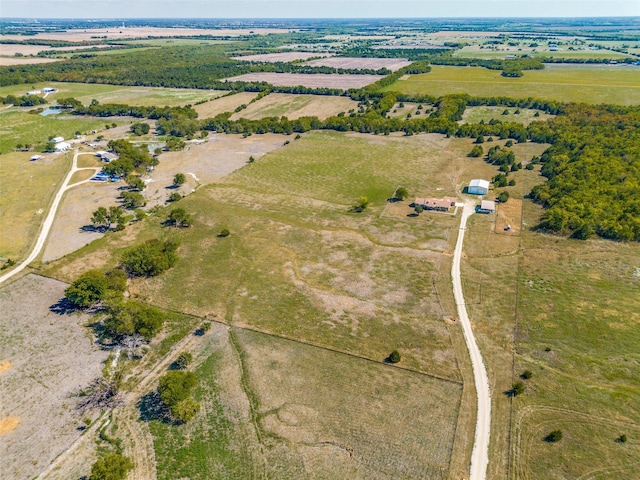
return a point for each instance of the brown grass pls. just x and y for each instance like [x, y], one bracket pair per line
[280, 57]
[392, 64]
[8, 424]
[12, 61]
[509, 213]
[225, 104]
[295, 106]
[317, 80]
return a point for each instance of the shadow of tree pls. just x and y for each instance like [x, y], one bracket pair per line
[63, 307]
[152, 408]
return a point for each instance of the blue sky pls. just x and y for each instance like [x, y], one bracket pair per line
[314, 8]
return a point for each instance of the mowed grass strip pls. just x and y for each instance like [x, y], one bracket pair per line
[616, 86]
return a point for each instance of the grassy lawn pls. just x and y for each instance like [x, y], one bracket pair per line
[486, 114]
[144, 96]
[620, 86]
[25, 191]
[17, 126]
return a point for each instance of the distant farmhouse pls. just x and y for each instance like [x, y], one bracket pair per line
[478, 187]
[438, 204]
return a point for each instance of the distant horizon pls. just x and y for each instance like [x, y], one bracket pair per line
[315, 9]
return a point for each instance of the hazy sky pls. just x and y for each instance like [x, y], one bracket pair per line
[314, 8]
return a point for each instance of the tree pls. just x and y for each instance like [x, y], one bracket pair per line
[480, 139]
[185, 410]
[140, 128]
[517, 389]
[179, 179]
[174, 197]
[126, 318]
[132, 200]
[131, 343]
[476, 152]
[135, 183]
[175, 386]
[503, 196]
[174, 144]
[87, 290]
[622, 438]
[401, 193]
[418, 209]
[112, 466]
[361, 204]
[179, 218]
[150, 258]
[526, 375]
[183, 360]
[224, 233]
[554, 436]
[394, 357]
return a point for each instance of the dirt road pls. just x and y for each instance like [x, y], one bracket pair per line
[51, 215]
[480, 453]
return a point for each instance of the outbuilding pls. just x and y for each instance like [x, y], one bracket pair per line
[62, 146]
[487, 206]
[478, 187]
[36, 157]
[57, 139]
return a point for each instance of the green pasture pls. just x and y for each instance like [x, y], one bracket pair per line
[567, 84]
[143, 96]
[486, 114]
[543, 51]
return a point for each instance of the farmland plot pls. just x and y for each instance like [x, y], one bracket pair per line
[392, 64]
[317, 80]
[295, 106]
[280, 57]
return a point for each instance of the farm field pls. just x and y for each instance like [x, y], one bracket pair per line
[50, 359]
[316, 80]
[543, 51]
[564, 84]
[143, 96]
[295, 106]
[392, 64]
[227, 103]
[9, 49]
[26, 188]
[486, 114]
[280, 56]
[13, 61]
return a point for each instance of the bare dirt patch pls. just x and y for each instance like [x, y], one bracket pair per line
[207, 162]
[67, 234]
[4, 366]
[225, 104]
[8, 425]
[53, 358]
[295, 106]
[392, 64]
[317, 80]
[281, 57]
[12, 49]
[510, 214]
[11, 61]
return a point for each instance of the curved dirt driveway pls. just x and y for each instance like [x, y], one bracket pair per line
[51, 215]
[480, 453]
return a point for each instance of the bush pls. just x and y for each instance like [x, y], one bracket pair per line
[179, 218]
[183, 360]
[509, 143]
[517, 389]
[175, 197]
[127, 318]
[185, 410]
[401, 193]
[526, 375]
[150, 258]
[179, 179]
[361, 205]
[394, 357]
[419, 209]
[224, 233]
[554, 436]
[503, 197]
[529, 166]
[94, 286]
[175, 386]
[112, 466]
[132, 200]
[622, 438]
[480, 139]
[476, 152]
[139, 128]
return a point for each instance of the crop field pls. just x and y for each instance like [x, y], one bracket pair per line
[227, 103]
[500, 52]
[392, 64]
[295, 106]
[26, 188]
[8, 49]
[50, 358]
[316, 80]
[12, 61]
[280, 57]
[617, 86]
[486, 114]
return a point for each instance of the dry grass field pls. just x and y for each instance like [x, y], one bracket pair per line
[227, 103]
[317, 80]
[510, 214]
[51, 358]
[8, 49]
[486, 114]
[295, 106]
[392, 64]
[281, 56]
[15, 61]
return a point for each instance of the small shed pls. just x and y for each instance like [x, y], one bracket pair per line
[487, 206]
[36, 157]
[478, 187]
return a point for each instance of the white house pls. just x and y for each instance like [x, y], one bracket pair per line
[57, 139]
[478, 187]
[62, 146]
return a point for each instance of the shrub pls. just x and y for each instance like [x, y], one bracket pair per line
[179, 218]
[517, 389]
[476, 152]
[183, 360]
[554, 436]
[132, 200]
[526, 375]
[185, 410]
[401, 193]
[175, 386]
[175, 197]
[394, 357]
[529, 166]
[503, 197]
[112, 466]
[361, 205]
[480, 139]
[127, 318]
[509, 143]
[224, 233]
[94, 286]
[419, 209]
[150, 258]
[179, 179]
[622, 438]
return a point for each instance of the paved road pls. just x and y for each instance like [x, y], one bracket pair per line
[48, 222]
[480, 453]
